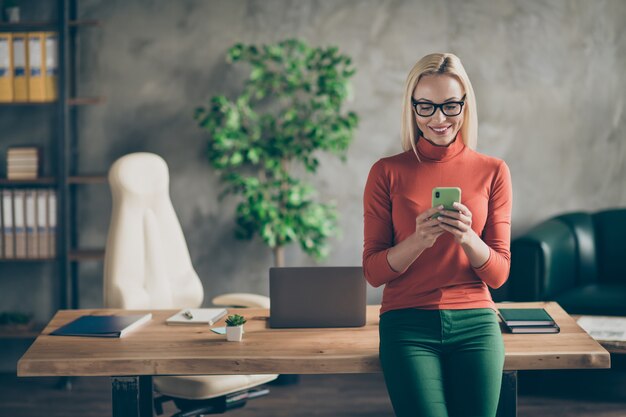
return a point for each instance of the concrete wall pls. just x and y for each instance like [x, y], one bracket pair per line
[548, 75]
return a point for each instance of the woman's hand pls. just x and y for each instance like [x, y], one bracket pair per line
[427, 230]
[458, 223]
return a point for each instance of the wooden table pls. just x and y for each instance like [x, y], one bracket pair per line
[159, 349]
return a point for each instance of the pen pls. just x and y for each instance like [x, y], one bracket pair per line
[188, 315]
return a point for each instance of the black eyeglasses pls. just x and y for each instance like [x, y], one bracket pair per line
[427, 108]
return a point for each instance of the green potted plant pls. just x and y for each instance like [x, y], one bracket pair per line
[234, 328]
[290, 110]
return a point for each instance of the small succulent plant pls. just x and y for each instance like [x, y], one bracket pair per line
[235, 320]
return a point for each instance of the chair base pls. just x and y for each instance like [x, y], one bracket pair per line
[218, 405]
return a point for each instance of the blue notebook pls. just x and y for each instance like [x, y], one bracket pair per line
[102, 326]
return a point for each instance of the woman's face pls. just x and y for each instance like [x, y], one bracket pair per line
[439, 88]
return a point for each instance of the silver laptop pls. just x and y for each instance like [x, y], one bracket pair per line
[317, 297]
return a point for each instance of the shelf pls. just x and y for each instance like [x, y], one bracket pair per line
[27, 260]
[76, 255]
[51, 181]
[83, 101]
[29, 333]
[27, 103]
[88, 179]
[26, 26]
[63, 147]
[50, 26]
[4, 182]
[86, 255]
[76, 101]
[84, 22]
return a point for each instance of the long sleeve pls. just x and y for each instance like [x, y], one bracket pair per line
[378, 233]
[497, 230]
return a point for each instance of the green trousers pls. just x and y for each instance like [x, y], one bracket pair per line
[442, 363]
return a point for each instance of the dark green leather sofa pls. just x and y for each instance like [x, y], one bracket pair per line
[576, 259]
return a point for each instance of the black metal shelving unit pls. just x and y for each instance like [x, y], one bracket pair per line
[69, 105]
[66, 177]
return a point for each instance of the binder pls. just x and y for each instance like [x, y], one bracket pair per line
[43, 234]
[36, 62]
[31, 225]
[7, 213]
[6, 68]
[51, 70]
[20, 67]
[19, 210]
[52, 223]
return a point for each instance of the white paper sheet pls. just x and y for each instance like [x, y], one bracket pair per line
[604, 327]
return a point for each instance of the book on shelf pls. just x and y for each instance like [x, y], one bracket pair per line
[28, 67]
[19, 223]
[103, 326]
[51, 67]
[52, 223]
[23, 162]
[31, 224]
[20, 68]
[6, 68]
[26, 215]
[7, 224]
[42, 224]
[197, 316]
[23, 151]
[36, 67]
[528, 320]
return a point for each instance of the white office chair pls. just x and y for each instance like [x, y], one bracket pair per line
[147, 266]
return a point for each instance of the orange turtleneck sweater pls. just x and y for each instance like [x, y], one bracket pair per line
[399, 188]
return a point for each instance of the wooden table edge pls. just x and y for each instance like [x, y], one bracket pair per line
[599, 359]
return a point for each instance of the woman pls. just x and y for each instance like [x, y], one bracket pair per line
[441, 349]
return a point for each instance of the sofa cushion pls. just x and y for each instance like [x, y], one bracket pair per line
[610, 229]
[595, 299]
[543, 262]
[581, 225]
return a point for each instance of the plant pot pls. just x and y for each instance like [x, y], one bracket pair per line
[234, 333]
[12, 14]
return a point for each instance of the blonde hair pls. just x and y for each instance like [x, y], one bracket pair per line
[433, 64]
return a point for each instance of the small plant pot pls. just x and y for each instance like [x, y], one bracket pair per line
[12, 14]
[234, 333]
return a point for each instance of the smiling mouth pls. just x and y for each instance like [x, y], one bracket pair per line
[440, 130]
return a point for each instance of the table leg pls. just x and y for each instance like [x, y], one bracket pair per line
[132, 396]
[507, 407]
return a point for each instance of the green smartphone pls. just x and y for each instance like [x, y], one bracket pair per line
[445, 196]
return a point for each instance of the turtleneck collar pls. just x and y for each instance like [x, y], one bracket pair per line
[438, 153]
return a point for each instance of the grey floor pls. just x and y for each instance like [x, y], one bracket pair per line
[324, 395]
